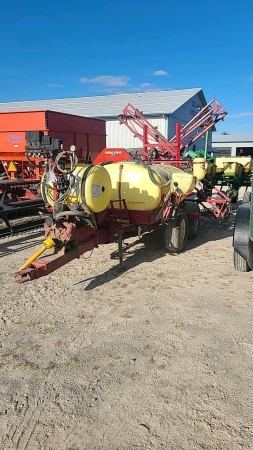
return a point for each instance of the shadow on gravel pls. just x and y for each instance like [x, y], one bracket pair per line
[152, 248]
[18, 243]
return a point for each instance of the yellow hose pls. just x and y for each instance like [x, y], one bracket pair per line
[48, 243]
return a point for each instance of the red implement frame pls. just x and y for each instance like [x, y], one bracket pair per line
[86, 240]
[148, 134]
[204, 120]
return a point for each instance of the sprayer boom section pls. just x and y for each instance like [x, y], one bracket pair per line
[155, 145]
[204, 120]
[147, 133]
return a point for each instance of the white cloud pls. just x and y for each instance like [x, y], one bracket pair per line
[237, 116]
[143, 87]
[146, 85]
[55, 85]
[107, 80]
[160, 73]
[115, 85]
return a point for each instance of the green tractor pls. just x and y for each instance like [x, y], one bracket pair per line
[243, 234]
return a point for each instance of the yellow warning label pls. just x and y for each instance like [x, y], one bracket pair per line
[12, 167]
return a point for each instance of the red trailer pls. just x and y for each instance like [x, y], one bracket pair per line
[87, 134]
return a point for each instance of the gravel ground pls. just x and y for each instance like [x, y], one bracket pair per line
[156, 356]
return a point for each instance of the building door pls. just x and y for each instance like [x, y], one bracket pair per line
[244, 151]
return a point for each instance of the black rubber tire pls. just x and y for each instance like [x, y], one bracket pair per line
[176, 232]
[246, 197]
[193, 224]
[240, 263]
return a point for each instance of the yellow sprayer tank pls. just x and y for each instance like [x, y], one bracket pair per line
[199, 168]
[136, 183]
[92, 187]
[202, 168]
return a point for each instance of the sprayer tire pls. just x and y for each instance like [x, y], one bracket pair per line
[193, 224]
[175, 232]
[240, 263]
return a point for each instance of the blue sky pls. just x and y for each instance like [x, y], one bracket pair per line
[56, 49]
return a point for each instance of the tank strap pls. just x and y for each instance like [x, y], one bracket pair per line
[84, 181]
[119, 188]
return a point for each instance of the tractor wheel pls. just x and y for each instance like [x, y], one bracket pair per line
[193, 224]
[175, 232]
[240, 263]
[246, 197]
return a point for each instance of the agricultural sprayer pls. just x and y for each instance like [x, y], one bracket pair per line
[91, 204]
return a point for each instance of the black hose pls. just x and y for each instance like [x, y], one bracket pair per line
[150, 172]
[31, 162]
[105, 163]
[71, 182]
[73, 160]
[81, 214]
[151, 176]
[83, 182]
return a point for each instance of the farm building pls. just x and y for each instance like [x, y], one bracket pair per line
[163, 109]
[233, 144]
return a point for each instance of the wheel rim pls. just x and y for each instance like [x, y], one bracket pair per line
[182, 229]
[195, 224]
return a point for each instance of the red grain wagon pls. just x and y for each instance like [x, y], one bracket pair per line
[87, 134]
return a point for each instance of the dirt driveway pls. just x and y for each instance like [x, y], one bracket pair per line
[157, 356]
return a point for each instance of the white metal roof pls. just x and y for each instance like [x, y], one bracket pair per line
[229, 138]
[151, 103]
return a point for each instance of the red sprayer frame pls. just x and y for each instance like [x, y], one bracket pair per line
[203, 121]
